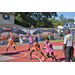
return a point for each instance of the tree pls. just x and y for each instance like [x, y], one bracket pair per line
[61, 17]
[70, 19]
[37, 19]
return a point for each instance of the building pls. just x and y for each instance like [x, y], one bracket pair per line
[7, 20]
[60, 29]
[70, 25]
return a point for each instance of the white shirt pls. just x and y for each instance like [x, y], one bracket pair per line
[68, 40]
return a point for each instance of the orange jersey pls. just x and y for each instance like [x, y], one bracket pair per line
[35, 47]
[10, 41]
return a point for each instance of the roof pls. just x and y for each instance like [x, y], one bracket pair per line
[7, 13]
[72, 27]
[68, 22]
[9, 25]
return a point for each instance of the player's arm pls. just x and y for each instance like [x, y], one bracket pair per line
[6, 43]
[64, 44]
[50, 46]
[37, 53]
[49, 50]
[27, 39]
[15, 43]
[43, 46]
[63, 48]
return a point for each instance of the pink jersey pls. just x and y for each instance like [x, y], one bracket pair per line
[48, 46]
[30, 39]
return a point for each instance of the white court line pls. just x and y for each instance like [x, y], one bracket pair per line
[35, 56]
[28, 54]
[21, 56]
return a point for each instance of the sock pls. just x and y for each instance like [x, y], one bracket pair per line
[6, 51]
[15, 51]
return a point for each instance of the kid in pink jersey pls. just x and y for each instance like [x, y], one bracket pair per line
[49, 49]
[30, 42]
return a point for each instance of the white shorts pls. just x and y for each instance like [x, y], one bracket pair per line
[10, 45]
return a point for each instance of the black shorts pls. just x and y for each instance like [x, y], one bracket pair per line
[51, 54]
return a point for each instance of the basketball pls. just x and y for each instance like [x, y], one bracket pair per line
[43, 59]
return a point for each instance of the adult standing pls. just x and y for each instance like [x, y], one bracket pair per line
[68, 46]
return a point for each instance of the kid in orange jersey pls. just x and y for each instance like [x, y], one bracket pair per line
[10, 43]
[35, 47]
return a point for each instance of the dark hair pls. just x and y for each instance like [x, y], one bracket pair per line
[36, 41]
[68, 30]
[47, 38]
[36, 38]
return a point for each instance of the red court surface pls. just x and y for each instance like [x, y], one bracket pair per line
[23, 54]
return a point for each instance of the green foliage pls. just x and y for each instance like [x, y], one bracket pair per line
[39, 19]
[61, 17]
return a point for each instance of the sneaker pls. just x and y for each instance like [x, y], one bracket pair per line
[15, 51]
[52, 58]
[28, 50]
[30, 58]
[56, 60]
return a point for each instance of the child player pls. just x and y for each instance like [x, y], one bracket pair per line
[30, 42]
[49, 49]
[10, 43]
[35, 47]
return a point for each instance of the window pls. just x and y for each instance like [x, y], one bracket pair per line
[6, 17]
[66, 25]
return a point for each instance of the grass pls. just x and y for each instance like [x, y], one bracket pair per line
[18, 43]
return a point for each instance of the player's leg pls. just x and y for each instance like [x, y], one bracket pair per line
[53, 57]
[41, 52]
[14, 48]
[32, 50]
[7, 48]
[30, 45]
[47, 55]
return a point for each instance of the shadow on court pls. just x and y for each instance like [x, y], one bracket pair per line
[61, 59]
[23, 51]
[12, 53]
[51, 56]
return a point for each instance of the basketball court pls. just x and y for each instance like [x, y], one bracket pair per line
[22, 54]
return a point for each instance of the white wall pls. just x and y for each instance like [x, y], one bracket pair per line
[10, 21]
